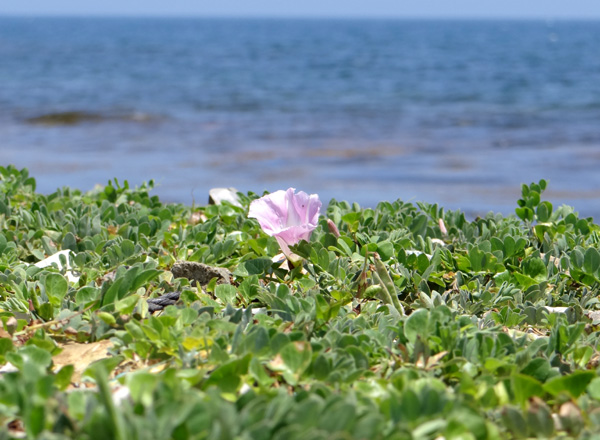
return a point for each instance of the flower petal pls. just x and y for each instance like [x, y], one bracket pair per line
[307, 208]
[294, 215]
[270, 211]
[295, 234]
[287, 216]
[284, 246]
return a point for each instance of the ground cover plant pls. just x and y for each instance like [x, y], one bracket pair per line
[399, 322]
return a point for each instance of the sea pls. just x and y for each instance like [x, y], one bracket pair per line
[458, 113]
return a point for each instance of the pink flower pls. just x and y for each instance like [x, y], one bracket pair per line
[333, 228]
[442, 226]
[286, 216]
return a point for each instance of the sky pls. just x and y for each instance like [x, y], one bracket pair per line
[524, 9]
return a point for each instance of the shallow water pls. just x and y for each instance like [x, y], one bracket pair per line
[458, 113]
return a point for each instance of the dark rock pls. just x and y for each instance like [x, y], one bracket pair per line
[80, 117]
[168, 299]
[65, 118]
[200, 273]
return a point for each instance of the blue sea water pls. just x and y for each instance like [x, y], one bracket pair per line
[454, 112]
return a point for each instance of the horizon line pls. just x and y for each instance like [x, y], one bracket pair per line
[548, 18]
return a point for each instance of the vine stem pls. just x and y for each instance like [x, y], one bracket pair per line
[54, 321]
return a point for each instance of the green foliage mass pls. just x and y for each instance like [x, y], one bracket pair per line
[415, 323]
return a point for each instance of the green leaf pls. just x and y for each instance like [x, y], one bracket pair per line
[226, 293]
[422, 263]
[533, 198]
[228, 376]
[6, 345]
[4, 209]
[419, 225]
[513, 419]
[30, 356]
[385, 249]
[417, 324]
[591, 261]
[594, 388]
[69, 242]
[534, 268]
[87, 294]
[107, 365]
[257, 266]
[321, 367]
[56, 288]
[257, 371]
[344, 246]
[509, 246]
[351, 217]
[544, 211]
[111, 294]
[127, 304]
[525, 387]
[144, 277]
[577, 258]
[99, 372]
[339, 417]
[128, 248]
[539, 419]
[62, 379]
[574, 383]
[525, 281]
[128, 281]
[295, 357]
[360, 358]
[3, 244]
[249, 288]
[538, 368]
[34, 421]
[477, 259]
[352, 220]
[583, 226]
[524, 213]
[141, 385]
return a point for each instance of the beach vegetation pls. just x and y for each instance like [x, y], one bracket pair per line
[402, 321]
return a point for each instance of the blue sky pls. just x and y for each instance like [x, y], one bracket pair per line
[545, 9]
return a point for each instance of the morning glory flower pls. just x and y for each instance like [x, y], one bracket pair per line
[287, 216]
